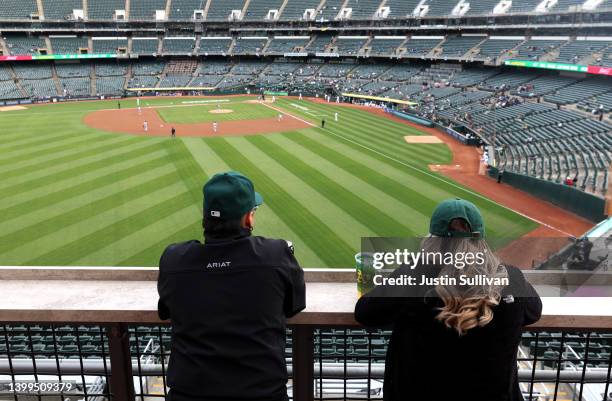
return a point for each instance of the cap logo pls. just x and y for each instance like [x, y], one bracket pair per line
[215, 213]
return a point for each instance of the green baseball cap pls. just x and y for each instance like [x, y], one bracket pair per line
[452, 209]
[229, 196]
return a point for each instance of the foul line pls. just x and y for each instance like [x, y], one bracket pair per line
[427, 173]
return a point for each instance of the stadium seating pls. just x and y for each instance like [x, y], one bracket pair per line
[575, 52]
[18, 9]
[22, 44]
[212, 45]
[143, 81]
[330, 10]
[363, 9]
[68, 45]
[294, 9]
[145, 9]
[108, 45]
[111, 69]
[280, 45]
[507, 80]
[184, 9]
[420, 46]
[249, 45]
[178, 45]
[458, 46]
[73, 70]
[493, 48]
[380, 46]
[61, 9]
[258, 9]
[142, 45]
[349, 46]
[39, 88]
[319, 43]
[535, 49]
[544, 85]
[220, 10]
[33, 71]
[580, 91]
[206, 81]
[213, 68]
[482, 7]
[401, 8]
[440, 7]
[104, 9]
[174, 81]
[76, 87]
[148, 68]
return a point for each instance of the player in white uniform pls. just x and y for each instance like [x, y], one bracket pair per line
[145, 126]
[336, 116]
[215, 126]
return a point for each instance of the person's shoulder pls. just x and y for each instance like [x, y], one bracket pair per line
[177, 251]
[279, 249]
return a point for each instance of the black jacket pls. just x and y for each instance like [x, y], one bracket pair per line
[428, 361]
[228, 300]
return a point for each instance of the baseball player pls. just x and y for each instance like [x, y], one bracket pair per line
[280, 117]
[145, 126]
[336, 116]
[173, 132]
[215, 126]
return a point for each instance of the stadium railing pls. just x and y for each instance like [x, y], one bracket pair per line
[98, 331]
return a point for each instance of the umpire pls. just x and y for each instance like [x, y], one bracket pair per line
[228, 299]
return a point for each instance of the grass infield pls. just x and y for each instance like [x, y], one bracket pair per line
[71, 195]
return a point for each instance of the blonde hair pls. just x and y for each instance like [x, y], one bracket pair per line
[466, 307]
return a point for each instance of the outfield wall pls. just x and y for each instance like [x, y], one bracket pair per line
[579, 202]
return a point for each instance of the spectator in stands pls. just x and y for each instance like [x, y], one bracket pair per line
[453, 342]
[228, 299]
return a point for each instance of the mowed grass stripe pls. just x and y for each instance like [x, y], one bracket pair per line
[130, 241]
[81, 213]
[342, 223]
[383, 131]
[188, 174]
[68, 253]
[94, 222]
[147, 256]
[43, 178]
[20, 140]
[316, 234]
[368, 215]
[358, 185]
[75, 142]
[268, 223]
[394, 171]
[413, 199]
[54, 197]
[35, 164]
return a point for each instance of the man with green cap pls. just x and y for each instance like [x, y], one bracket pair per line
[228, 299]
[453, 340]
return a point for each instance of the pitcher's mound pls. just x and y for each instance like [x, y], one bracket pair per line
[221, 111]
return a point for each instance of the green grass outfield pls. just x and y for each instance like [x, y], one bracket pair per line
[71, 195]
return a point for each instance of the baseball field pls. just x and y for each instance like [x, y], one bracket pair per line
[84, 183]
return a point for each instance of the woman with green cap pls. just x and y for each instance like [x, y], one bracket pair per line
[453, 341]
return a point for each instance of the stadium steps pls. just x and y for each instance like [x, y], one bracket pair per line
[401, 49]
[48, 45]
[319, 7]
[245, 8]
[553, 54]
[129, 45]
[41, 12]
[196, 47]
[128, 76]
[92, 79]
[56, 81]
[365, 49]
[160, 44]
[230, 50]
[509, 54]
[85, 9]
[474, 50]
[127, 12]
[168, 8]
[3, 47]
[90, 45]
[206, 8]
[281, 9]
[265, 48]
[343, 6]
[437, 49]
[18, 83]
